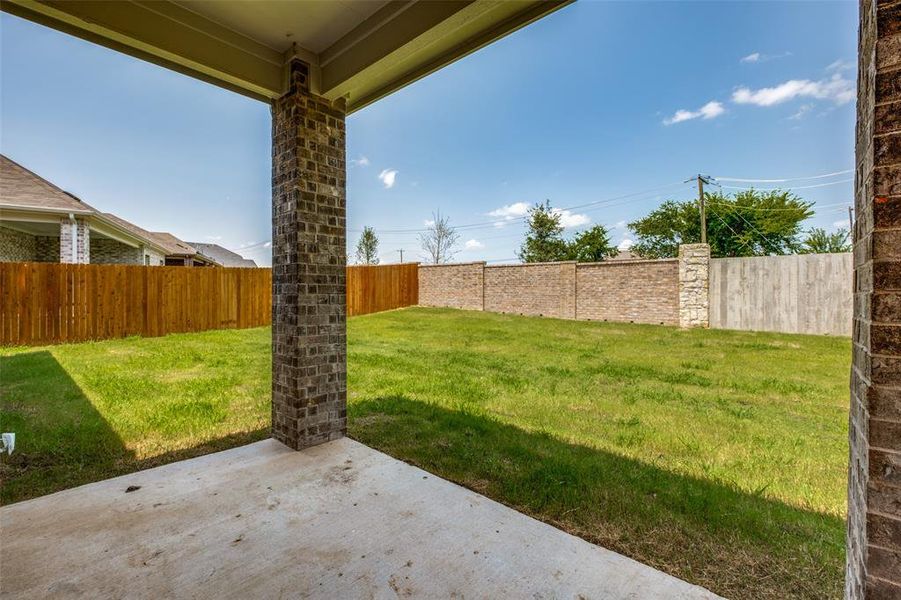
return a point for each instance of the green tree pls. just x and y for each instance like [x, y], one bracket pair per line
[820, 242]
[749, 223]
[368, 247]
[544, 240]
[591, 245]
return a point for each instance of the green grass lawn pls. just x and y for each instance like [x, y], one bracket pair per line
[717, 456]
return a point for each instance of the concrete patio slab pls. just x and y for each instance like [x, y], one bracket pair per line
[336, 521]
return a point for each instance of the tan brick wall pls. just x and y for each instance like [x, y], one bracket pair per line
[874, 477]
[540, 289]
[645, 291]
[453, 286]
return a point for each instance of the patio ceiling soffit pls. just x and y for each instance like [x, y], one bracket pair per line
[384, 49]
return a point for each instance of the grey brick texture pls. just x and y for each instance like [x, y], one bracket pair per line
[16, 246]
[874, 476]
[105, 251]
[309, 344]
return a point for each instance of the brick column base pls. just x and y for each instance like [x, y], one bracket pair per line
[309, 348]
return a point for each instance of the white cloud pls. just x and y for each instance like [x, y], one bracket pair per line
[710, 110]
[759, 57]
[214, 238]
[620, 225]
[388, 177]
[473, 245]
[428, 222]
[508, 212]
[839, 65]
[360, 162]
[843, 224]
[837, 89]
[570, 219]
[267, 245]
[625, 244]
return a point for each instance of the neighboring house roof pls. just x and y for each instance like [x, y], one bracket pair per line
[133, 229]
[23, 191]
[625, 255]
[21, 188]
[173, 245]
[222, 256]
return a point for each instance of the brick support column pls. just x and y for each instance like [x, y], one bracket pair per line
[874, 475]
[694, 285]
[74, 241]
[309, 349]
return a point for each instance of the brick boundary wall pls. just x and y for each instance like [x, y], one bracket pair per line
[637, 291]
[460, 285]
[536, 289]
[873, 541]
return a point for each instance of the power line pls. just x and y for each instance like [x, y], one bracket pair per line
[501, 222]
[737, 236]
[823, 176]
[766, 208]
[769, 241]
[787, 187]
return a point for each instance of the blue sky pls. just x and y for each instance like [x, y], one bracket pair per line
[609, 105]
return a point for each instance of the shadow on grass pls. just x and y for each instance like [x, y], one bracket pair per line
[62, 441]
[735, 543]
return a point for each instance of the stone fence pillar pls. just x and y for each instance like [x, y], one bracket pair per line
[694, 285]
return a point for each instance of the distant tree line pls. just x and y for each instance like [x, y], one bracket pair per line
[748, 223]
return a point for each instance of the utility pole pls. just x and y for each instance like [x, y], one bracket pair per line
[401, 254]
[702, 179]
[851, 222]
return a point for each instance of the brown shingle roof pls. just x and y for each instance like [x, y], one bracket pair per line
[21, 188]
[172, 244]
[223, 256]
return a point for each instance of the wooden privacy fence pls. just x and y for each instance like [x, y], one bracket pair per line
[47, 303]
[376, 288]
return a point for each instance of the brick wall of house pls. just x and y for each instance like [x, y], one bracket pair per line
[539, 289]
[105, 251]
[46, 249]
[453, 286]
[641, 291]
[874, 476]
[16, 246]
